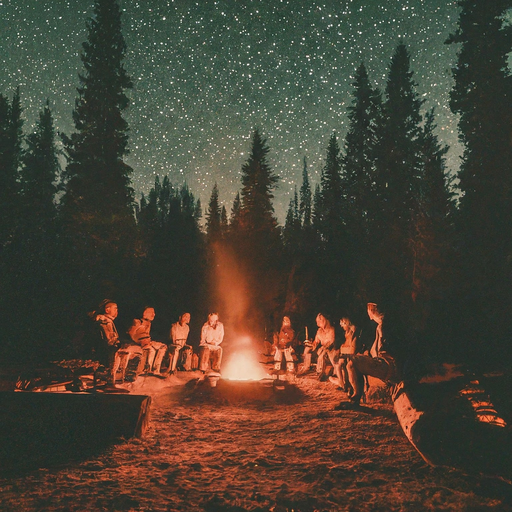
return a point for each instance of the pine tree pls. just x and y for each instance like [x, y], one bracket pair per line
[257, 240]
[213, 216]
[98, 206]
[292, 232]
[258, 184]
[359, 168]
[359, 160]
[305, 198]
[40, 172]
[98, 196]
[482, 97]
[316, 214]
[397, 178]
[38, 258]
[234, 219]
[433, 240]
[11, 154]
[332, 195]
[224, 223]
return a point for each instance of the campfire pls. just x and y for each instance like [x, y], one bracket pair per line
[243, 363]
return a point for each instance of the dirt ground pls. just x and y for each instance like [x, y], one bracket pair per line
[247, 446]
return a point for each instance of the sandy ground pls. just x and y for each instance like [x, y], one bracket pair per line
[246, 446]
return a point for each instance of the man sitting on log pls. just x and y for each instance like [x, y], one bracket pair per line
[113, 353]
[377, 362]
[212, 335]
[153, 351]
[180, 354]
[323, 344]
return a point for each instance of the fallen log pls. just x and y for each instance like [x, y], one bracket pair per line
[456, 423]
[41, 429]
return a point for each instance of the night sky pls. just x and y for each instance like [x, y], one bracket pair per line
[207, 73]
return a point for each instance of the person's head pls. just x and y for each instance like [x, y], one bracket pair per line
[374, 312]
[185, 318]
[109, 308]
[148, 314]
[322, 321]
[213, 319]
[346, 323]
[286, 321]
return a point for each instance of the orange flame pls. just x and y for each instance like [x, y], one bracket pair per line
[243, 363]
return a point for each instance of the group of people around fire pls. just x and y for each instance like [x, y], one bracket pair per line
[352, 361]
[115, 353]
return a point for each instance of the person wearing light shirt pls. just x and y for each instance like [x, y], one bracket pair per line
[178, 348]
[210, 350]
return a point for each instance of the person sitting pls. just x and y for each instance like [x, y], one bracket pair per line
[284, 346]
[114, 354]
[212, 334]
[180, 353]
[153, 351]
[323, 344]
[350, 346]
[378, 361]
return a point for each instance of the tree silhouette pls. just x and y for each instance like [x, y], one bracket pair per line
[482, 97]
[11, 153]
[97, 205]
[213, 216]
[305, 206]
[398, 174]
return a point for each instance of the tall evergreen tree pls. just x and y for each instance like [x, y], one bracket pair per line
[258, 184]
[234, 218]
[38, 264]
[316, 214]
[398, 175]
[292, 227]
[359, 168]
[97, 206]
[213, 216]
[257, 240]
[305, 206]
[433, 241]
[332, 195]
[359, 160]
[40, 173]
[11, 139]
[482, 97]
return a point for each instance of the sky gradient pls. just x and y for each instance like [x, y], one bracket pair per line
[206, 73]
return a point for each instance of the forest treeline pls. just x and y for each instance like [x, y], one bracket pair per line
[385, 224]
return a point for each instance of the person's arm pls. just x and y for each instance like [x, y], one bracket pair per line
[108, 329]
[221, 334]
[203, 335]
[172, 334]
[138, 334]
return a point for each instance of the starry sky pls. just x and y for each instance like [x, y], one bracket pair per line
[207, 72]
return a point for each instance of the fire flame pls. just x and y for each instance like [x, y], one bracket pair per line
[243, 364]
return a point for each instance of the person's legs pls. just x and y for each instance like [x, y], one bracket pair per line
[278, 358]
[174, 354]
[216, 358]
[290, 360]
[186, 358]
[160, 350]
[307, 358]
[204, 358]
